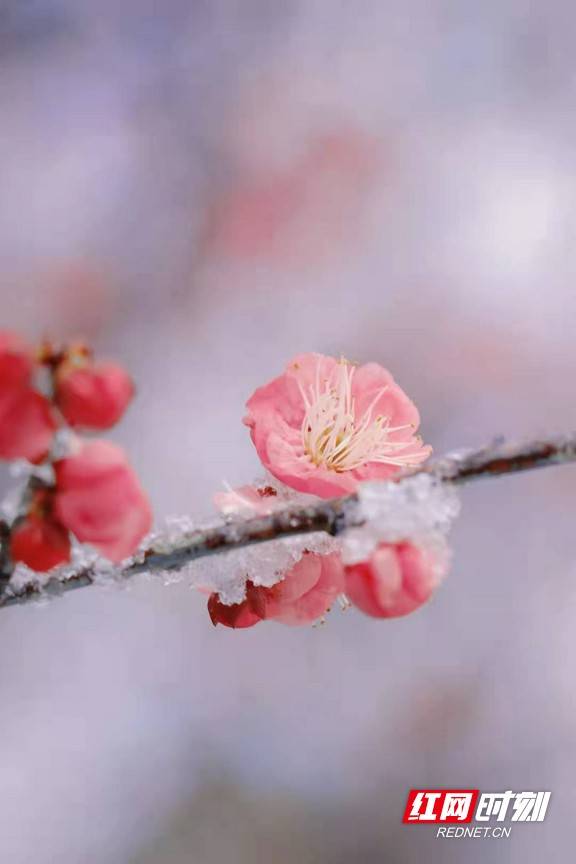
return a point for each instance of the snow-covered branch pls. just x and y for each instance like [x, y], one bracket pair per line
[333, 517]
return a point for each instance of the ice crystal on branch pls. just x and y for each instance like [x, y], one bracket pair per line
[228, 572]
[420, 509]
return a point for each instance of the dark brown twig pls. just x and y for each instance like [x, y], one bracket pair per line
[332, 516]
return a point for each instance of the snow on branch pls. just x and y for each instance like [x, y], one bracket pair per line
[415, 502]
[350, 509]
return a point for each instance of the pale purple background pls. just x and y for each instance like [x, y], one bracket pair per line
[131, 731]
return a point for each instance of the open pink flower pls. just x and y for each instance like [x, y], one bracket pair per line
[397, 580]
[325, 425]
[99, 498]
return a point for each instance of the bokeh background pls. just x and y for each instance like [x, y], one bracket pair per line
[204, 188]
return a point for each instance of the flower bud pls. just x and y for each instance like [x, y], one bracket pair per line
[27, 424]
[99, 498]
[16, 361]
[306, 592]
[237, 616]
[39, 542]
[93, 396]
[396, 580]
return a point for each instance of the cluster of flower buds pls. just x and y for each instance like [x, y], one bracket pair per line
[93, 493]
[322, 428]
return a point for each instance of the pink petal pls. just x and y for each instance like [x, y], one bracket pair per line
[396, 580]
[99, 498]
[298, 581]
[367, 381]
[93, 397]
[296, 470]
[237, 616]
[276, 413]
[244, 499]
[279, 405]
[40, 543]
[317, 601]
[16, 361]
[27, 425]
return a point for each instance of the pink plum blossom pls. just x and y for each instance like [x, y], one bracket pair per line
[325, 425]
[397, 580]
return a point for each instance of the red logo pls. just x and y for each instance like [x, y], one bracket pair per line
[427, 806]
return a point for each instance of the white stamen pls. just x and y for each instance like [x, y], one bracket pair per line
[343, 602]
[336, 439]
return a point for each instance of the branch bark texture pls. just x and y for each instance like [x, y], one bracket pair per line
[333, 516]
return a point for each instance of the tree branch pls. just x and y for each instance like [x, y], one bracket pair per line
[333, 516]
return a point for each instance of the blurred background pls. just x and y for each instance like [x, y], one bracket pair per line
[204, 188]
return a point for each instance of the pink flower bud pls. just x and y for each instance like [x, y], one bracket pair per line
[16, 361]
[237, 616]
[26, 420]
[40, 543]
[27, 424]
[93, 397]
[99, 498]
[395, 581]
[305, 594]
